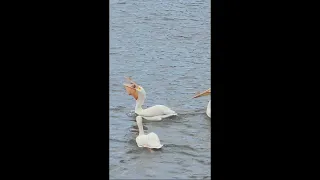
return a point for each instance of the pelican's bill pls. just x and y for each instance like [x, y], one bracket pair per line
[130, 88]
[204, 93]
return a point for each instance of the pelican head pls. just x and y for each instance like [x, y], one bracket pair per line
[204, 93]
[133, 89]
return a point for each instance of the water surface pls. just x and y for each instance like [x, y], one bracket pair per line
[165, 47]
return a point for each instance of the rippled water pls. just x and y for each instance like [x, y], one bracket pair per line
[164, 46]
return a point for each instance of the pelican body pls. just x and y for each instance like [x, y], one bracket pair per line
[205, 93]
[154, 113]
[150, 140]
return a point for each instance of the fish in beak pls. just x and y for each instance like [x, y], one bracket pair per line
[204, 93]
[131, 88]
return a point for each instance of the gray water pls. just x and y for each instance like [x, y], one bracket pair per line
[164, 45]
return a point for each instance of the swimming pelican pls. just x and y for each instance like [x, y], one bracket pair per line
[205, 93]
[154, 113]
[150, 141]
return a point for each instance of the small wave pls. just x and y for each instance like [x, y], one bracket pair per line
[113, 53]
[116, 108]
[188, 154]
[181, 146]
[194, 19]
[131, 114]
[116, 140]
[204, 162]
[199, 177]
[133, 151]
[168, 19]
[183, 37]
[182, 114]
[136, 127]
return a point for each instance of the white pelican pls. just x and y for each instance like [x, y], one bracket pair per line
[150, 141]
[205, 93]
[154, 113]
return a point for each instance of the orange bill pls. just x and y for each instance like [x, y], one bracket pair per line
[131, 81]
[204, 93]
[130, 88]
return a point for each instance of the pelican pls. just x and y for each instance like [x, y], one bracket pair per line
[150, 141]
[154, 113]
[205, 93]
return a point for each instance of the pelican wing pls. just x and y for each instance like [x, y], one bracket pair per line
[157, 110]
[141, 140]
[153, 141]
